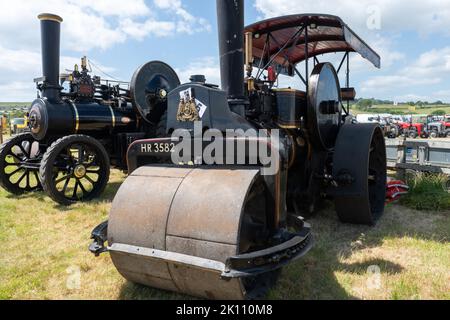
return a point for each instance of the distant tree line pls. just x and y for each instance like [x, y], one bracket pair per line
[14, 109]
[439, 113]
[364, 104]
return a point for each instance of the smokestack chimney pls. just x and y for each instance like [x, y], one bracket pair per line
[50, 42]
[230, 19]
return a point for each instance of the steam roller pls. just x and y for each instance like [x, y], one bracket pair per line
[204, 213]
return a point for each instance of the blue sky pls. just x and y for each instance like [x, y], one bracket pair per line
[412, 37]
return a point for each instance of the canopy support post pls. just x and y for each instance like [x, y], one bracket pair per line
[306, 57]
[316, 61]
[348, 79]
[342, 62]
[300, 75]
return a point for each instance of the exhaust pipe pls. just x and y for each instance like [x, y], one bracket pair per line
[230, 20]
[50, 44]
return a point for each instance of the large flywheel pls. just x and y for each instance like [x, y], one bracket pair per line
[149, 88]
[324, 116]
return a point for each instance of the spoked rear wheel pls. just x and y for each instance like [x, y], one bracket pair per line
[19, 164]
[359, 166]
[75, 168]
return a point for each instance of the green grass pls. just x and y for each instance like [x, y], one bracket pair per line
[409, 247]
[428, 192]
[15, 104]
[402, 109]
[43, 243]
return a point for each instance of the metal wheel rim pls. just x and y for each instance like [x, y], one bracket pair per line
[21, 164]
[324, 127]
[65, 179]
[255, 214]
[377, 174]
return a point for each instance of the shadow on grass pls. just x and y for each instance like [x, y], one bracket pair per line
[133, 291]
[110, 192]
[315, 275]
[38, 195]
[324, 272]
[107, 196]
[361, 268]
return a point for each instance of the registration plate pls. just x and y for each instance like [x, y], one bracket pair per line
[158, 147]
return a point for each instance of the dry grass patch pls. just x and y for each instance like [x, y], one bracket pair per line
[409, 249]
[44, 247]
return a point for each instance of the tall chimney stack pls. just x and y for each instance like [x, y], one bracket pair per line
[50, 42]
[230, 19]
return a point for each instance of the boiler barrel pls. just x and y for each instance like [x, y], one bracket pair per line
[66, 118]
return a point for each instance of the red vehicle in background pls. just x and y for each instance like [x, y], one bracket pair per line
[411, 129]
[446, 122]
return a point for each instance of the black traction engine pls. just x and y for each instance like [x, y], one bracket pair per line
[81, 124]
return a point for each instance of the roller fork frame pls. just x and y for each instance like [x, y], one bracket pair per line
[293, 246]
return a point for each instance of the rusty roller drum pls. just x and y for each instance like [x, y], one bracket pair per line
[173, 228]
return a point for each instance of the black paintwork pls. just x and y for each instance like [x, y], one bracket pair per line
[291, 107]
[50, 35]
[60, 119]
[217, 116]
[230, 20]
[145, 88]
[324, 106]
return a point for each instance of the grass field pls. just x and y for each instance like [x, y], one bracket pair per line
[403, 109]
[15, 104]
[44, 253]
[427, 191]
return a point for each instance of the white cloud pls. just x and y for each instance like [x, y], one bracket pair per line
[425, 17]
[18, 91]
[403, 80]
[87, 25]
[140, 30]
[18, 61]
[118, 8]
[187, 23]
[354, 13]
[417, 97]
[411, 97]
[384, 47]
[442, 93]
[167, 4]
[207, 66]
[431, 67]
[19, 67]
[396, 18]
[94, 24]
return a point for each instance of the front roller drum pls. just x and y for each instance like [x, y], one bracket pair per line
[176, 228]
